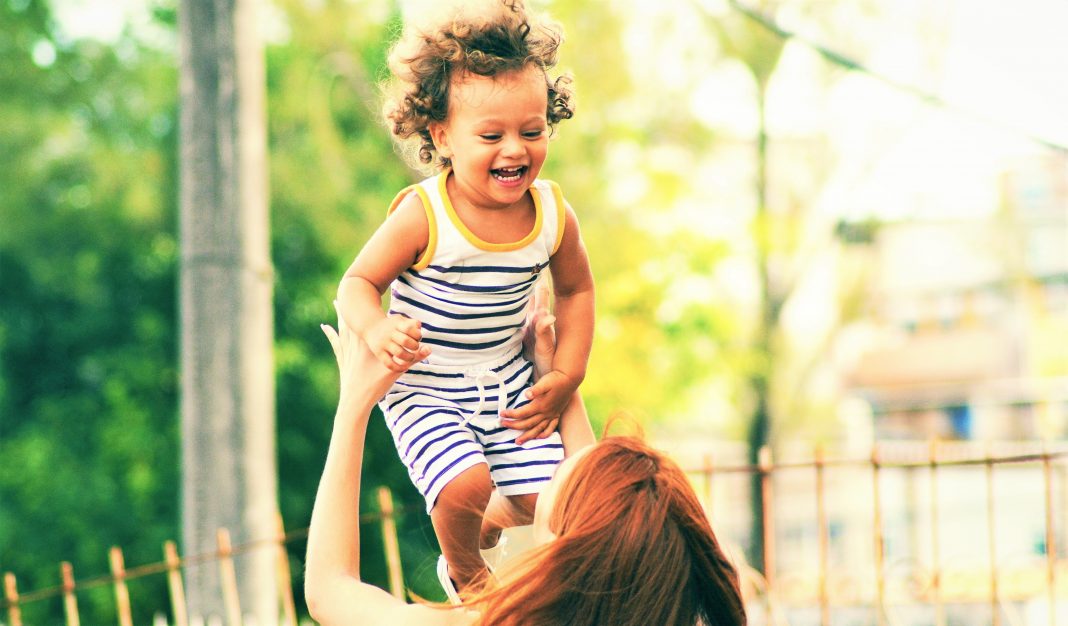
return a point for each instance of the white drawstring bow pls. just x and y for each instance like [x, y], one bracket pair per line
[477, 374]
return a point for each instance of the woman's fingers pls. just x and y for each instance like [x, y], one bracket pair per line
[541, 296]
[335, 341]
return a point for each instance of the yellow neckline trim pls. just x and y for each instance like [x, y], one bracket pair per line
[474, 239]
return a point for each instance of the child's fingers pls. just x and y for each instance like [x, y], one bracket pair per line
[549, 429]
[539, 388]
[409, 327]
[539, 431]
[409, 359]
[522, 418]
[404, 341]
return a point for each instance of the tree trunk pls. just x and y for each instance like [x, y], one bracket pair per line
[229, 475]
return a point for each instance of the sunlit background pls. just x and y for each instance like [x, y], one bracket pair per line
[811, 222]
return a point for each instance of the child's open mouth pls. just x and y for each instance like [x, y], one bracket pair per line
[509, 174]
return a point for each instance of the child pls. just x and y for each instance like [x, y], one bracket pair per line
[461, 252]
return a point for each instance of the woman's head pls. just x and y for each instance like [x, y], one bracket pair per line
[469, 39]
[632, 546]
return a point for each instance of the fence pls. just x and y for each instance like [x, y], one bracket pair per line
[172, 565]
[797, 587]
[892, 564]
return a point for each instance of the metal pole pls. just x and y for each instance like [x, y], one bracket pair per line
[821, 523]
[936, 558]
[877, 521]
[1051, 546]
[995, 614]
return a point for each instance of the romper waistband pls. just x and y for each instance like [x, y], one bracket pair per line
[427, 371]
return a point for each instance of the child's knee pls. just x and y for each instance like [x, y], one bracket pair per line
[470, 490]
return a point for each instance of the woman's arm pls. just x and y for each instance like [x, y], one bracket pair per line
[332, 586]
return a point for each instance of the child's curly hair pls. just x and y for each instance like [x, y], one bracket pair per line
[483, 40]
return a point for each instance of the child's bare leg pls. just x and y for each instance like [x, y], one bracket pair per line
[457, 518]
[505, 512]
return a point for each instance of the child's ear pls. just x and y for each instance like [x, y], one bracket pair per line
[440, 139]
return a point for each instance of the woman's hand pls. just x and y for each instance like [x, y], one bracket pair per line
[361, 372]
[539, 338]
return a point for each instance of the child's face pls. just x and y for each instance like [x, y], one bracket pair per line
[496, 135]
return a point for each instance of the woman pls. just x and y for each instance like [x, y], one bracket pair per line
[622, 537]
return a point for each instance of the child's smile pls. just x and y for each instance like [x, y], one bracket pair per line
[496, 136]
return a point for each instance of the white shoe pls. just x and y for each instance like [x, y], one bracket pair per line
[497, 554]
[446, 582]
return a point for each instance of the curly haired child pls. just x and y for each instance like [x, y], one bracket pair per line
[461, 253]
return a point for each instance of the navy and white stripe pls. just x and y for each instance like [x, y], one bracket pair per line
[471, 299]
[426, 416]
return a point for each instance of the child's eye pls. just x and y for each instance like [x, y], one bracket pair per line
[533, 134]
[490, 136]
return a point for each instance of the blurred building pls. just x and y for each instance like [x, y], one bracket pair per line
[971, 338]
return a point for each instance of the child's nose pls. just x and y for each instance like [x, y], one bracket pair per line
[512, 146]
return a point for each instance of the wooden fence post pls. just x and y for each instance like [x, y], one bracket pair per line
[285, 579]
[122, 594]
[392, 545]
[174, 584]
[11, 594]
[228, 578]
[70, 601]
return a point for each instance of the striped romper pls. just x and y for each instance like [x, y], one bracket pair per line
[471, 299]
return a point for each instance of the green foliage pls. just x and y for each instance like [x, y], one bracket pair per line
[88, 428]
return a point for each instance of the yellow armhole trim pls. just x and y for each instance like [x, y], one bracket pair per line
[475, 239]
[561, 216]
[432, 225]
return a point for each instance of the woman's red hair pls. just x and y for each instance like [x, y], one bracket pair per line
[633, 548]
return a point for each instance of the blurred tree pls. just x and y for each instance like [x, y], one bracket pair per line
[229, 473]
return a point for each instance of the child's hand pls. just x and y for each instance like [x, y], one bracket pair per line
[394, 340]
[548, 399]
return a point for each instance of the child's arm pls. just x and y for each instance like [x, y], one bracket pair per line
[573, 286]
[395, 246]
[575, 429]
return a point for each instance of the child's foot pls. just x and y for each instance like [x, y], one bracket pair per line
[446, 583]
[496, 554]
